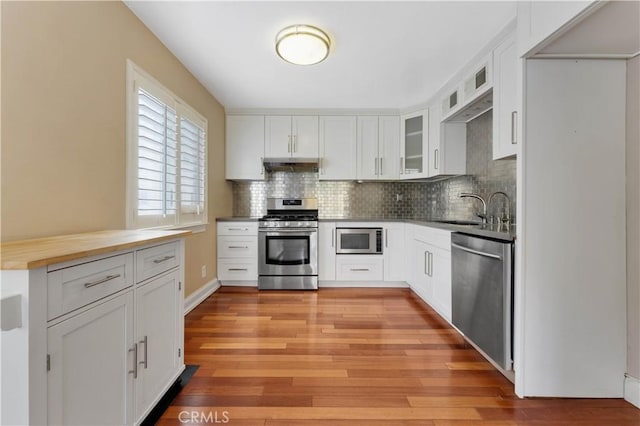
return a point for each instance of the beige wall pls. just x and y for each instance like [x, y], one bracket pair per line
[633, 213]
[63, 122]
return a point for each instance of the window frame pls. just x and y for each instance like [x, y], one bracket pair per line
[137, 77]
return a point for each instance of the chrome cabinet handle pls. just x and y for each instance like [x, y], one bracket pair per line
[238, 247]
[145, 342]
[295, 143]
[426, 262]
[436, 159]
[237, 269]
[386, 238]
[430, 264]
[375, 162]
[289, 144]
[135, 361]
[514, 121]
[381, 172]
[333, 238]
[261, 165]
[359, 269]
[401, 164]
[101, 281]
[164, 259]
[237, 229]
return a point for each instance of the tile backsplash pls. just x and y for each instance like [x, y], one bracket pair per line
[395, 200]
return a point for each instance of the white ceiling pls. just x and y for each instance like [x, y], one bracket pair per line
[385, 54]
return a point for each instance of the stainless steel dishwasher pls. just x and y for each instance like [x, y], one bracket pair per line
[482, 289]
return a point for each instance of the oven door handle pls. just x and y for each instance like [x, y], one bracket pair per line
[288, 231]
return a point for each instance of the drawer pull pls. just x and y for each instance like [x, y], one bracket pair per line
[238, 229]
[145, 342]
[101, 281]
[164, 259]
[359, 269]
[238, 247]
[238, 269]
[135, 361]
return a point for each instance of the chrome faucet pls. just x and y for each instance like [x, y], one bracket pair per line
[507, 217]
[482, 215]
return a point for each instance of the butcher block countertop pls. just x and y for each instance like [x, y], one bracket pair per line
[39, 252]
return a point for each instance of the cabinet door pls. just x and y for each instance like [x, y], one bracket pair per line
[505, 99]
[278, 136]
[421, 283]
[244, 147]
[158, 321]
[368, 158]
[394, 252]
[388, 147]
[326, 251]
[435, 132]
[440, 269]
[305, 136]
[414, 147]
[338, 148]
[88, 382]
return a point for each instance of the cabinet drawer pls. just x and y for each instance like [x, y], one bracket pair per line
[238, 247]
[79, 285]
[238, 269]
[436, 237]
[156, 260]
[359, 268]
[237, 228]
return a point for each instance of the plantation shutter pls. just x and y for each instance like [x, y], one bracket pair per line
[193, 137]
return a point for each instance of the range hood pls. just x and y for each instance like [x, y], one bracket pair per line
[287, 164]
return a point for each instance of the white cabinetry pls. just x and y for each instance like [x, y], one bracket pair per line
[359, 267]
[478, 81]
[326, 251]
[291, 136]
[244, 147]
[338, 152]
[158, 310]
[113, 350]
[505, 99]
[431, 268]
[238, 252]
[414, 146]
[89, 357]
[447, 145]
[539, 20]
[378, 147]
[394, 252]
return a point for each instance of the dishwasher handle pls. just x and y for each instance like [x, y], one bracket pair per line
[479, 253]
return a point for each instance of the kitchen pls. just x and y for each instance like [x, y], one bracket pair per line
[55, 52]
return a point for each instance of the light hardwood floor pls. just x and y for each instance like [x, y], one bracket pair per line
[351, 357]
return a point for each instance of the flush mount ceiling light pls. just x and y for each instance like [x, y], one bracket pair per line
[302, 44]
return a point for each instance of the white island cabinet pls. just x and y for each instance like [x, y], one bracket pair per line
[96, 336]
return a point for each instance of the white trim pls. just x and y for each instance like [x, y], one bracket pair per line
[198, 296]
[228, 283]
[632, 390]
[363, 284]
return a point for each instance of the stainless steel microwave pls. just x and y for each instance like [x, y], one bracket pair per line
[359, 240]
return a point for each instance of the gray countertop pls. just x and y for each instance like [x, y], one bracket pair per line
[489, 231]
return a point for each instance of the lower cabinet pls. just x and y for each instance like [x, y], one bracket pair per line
[158, 339]
[326, 251]
[89, 359]
[238, 252]
[394, 252]
[111, 361]
[356, 267]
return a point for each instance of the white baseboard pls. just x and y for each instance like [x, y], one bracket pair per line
[198, 296]
[372, 284]
[632, 390]
[239, 284]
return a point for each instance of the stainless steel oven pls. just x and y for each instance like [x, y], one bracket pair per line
[288, 245]
[359, 240]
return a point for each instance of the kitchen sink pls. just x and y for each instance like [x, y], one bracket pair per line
[457, 222]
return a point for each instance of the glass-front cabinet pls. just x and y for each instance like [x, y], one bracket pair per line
[414, 149]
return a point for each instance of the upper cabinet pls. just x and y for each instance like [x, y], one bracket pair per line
[505, 99]
[414, 145]
[447, 145]
[539, 20]
[244, 147]
[291, 136]
[378, 147]
[479, 81]
[338, 152]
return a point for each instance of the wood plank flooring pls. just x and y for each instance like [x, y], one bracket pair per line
[351, 357]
